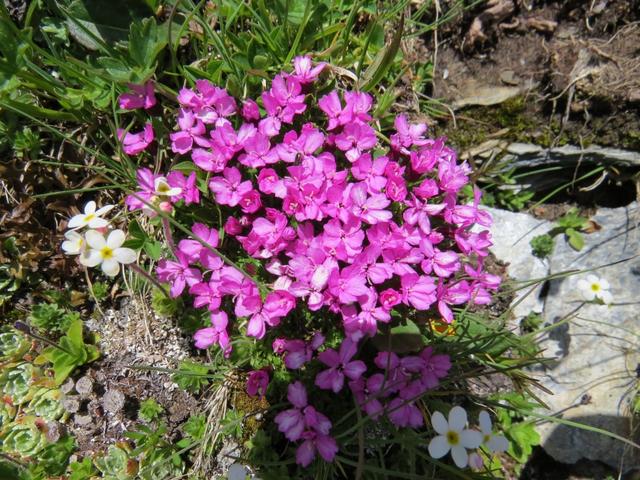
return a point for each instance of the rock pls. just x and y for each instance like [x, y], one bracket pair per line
[528, 155]
[113, 401]
[511, 233]
[83, 420]
[592, 375]
[84, 386]
[71, 404]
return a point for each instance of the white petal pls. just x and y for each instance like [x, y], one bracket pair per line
[588, 294]
[606, 296]
[583, 284]
[124, 255]
[592, 279]
[438, 446]
[103, 210]
[97, 222]
[498, 444]
[173, 191]
[604, 284]
[91, 258]
[71, 247]
[76, 221]
[460, 456]
[439, 423]
[116, 238]
[90, 207]
[470, 438]
[485, 422]
[457, 418]
[95, 239]
[111, 267]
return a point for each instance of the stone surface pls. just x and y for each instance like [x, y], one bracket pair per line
[595, 354]
[511, 233]
[528, 155]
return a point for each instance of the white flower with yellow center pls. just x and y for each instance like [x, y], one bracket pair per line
[108, 253]
[593, 288]
[495, 443]
[91, 217]
[74, 243]
[162, 187]
[453, 436]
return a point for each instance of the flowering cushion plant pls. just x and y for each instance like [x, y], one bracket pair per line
[332, 222]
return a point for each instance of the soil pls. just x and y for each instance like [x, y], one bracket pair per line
[547, 72]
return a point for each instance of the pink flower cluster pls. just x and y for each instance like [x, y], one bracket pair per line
[304, 422]
[342, 223]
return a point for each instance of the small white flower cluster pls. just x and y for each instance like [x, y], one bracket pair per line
[595, 289]
[454, 436]
[92, 247]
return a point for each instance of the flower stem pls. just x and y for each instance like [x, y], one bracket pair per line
[145, 274]
[166, 228]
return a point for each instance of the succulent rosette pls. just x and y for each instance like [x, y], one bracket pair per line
[17, 380]
[7, 412]
[13, 345]
[26, 436]
[46, 403]
[117, 463]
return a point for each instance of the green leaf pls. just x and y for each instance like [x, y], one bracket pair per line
[383, 60]
[575, 239]
[153, 249]
[117, 69]
[145, 42]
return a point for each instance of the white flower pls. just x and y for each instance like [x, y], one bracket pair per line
[475, 461]
[453, 436]
[595, 288]
[162, 187]
[90, 217]
[107, 253]
[74, 243]
[237, 472]
[495, 443]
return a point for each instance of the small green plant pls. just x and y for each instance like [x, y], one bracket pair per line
[117, 464]
[191, 376]
[24, 437]
[232, 424]
[521, 433]
[17, 382]
[149, 410]
[571, 225]
[13, 345]
[52, 318]
[70, 353]
[531, 322]
[542, 245]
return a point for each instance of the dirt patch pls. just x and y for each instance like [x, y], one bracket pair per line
[570, 69]
[108, 401]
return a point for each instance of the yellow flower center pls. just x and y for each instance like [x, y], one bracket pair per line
[89, 217]
[453, 438]
[106, 253]
[595, 287]
[486, 438]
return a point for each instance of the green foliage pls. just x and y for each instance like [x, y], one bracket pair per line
[542, 245]
[82, 470]
[24, 437]
[26, 143]
[117, 464]
[571, 225]
[195, 426]
[532, 322]
[11, 276]
[46, 403]
[13, 345]
[191, 376]
[149, 410]
[521, 434]
[17, 380]
[232, 424]
[70, 353]
[100, 290]
[52, 318]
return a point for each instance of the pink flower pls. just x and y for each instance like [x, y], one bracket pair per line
[324, 444]
[250, 201]
[340, 365]
[418, 291]
[389, 298]
[250, 110]
[193, 248]
[370, 209]
[368, 393]
[257, 383]
[230, 188]
[355, 139]
[435, 368]
[189, 191]
[179, 273]
[142, 96]
[191, 130]
[407, 134]
[134, 143]
[331, 106]
[305, 72]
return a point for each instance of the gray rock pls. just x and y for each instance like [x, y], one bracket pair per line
[528, 155]
[113, 401]
[84, 386]
[595, 354]
[511, 233]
